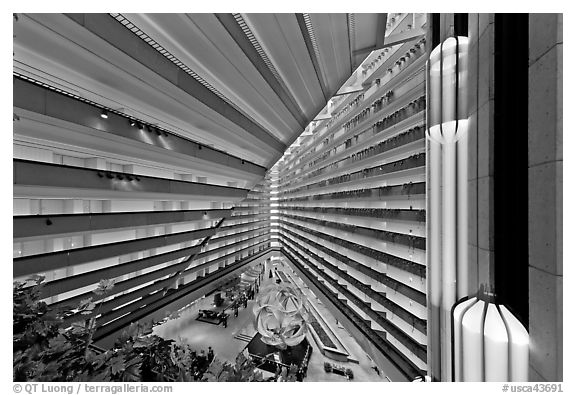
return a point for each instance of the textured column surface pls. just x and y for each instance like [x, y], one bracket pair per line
[545, 197]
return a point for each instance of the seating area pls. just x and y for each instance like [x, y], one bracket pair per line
[231, 297]
[212, 316]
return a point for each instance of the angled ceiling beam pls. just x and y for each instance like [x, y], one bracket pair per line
[322, 117]
[117, 35]
[237, 33]
[188, 261]
[308, 39]
[394, 39]
[351, 89]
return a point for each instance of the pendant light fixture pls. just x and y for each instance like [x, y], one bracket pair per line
[447, 126]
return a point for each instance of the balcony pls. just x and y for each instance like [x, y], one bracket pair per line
[39, 179]
[398, 238]
[409, 318]
[391, 283]
[403, 139]
[404, 264]
[41, 263]
[390, 214]
[53, 225]
[378, 339]
[404, 190]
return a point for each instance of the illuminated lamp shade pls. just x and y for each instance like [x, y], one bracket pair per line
[490, 344]
[447, 81]
[446, 120]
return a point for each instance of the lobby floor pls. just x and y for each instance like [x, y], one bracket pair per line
[200, 335]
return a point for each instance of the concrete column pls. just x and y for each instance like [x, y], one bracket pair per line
[545, 161]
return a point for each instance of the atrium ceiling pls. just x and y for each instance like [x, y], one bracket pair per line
[245, 84]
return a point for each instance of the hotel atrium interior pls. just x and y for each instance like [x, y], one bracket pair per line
[365, 197]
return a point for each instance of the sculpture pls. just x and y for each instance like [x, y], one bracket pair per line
[280, 315]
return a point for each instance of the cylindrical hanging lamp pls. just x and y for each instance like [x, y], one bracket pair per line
[490, 343]
[447, 110]
[447, 123]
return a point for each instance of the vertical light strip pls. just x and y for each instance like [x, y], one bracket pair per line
[519, 346]
[495, 346]
[448, 250]
[462, 268]
[434, 267]
[446, 124]
[458, 355]
[472, 336]
[433, 237]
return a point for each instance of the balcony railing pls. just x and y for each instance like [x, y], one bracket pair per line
[396, 285]
[50, 225]
[381, 213]
[393, 237]
[41, 263]
[380, 297]
[414, 161]
[380, 318]
[244, 224]
[416, 106]
[407, 367]
[66, 181]
[400, 263]
[409, 189]
[157, 276]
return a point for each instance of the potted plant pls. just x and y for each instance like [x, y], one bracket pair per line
[349, 373]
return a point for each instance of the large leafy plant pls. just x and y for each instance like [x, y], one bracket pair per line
[47, 347]
[244, 369]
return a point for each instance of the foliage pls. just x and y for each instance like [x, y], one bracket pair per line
[48, 348]
[349, 373]
[244, 369]
[34, 325]
[324, 338]
[49, 345]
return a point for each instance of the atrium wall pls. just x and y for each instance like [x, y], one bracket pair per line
[352, 202]
[171, 218]
[83, 213]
